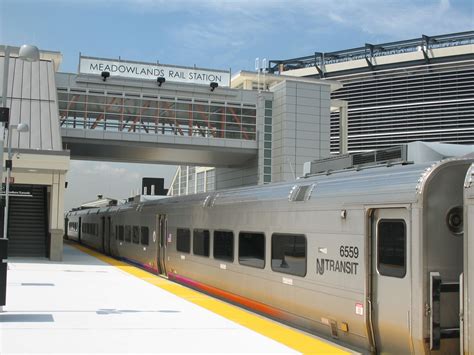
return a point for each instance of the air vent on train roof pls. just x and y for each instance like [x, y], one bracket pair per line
[301, 192]
[391, 155]
[209, 201]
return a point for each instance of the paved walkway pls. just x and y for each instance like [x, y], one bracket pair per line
[85, 305]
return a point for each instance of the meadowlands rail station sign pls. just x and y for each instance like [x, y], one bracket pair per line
[124, 69]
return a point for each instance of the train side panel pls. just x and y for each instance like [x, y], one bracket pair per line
[331, 294]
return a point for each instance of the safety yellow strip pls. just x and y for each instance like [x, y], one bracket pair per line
[298, 341]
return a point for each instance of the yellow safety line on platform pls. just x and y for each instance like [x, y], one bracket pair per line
[296, 340]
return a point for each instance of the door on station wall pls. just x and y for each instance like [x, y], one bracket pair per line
[391, 279]
[162, 228]
[28, 221]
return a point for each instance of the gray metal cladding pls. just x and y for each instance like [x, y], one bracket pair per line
[32, 98]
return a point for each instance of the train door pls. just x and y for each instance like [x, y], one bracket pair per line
[391, 280]
[162, 228]
[109, 235]
[79, 231]
[467, 333]
[103, 234]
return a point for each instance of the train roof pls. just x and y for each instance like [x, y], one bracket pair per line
[380, 184]
[387, 184]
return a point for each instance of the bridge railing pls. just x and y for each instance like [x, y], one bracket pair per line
[165, 128]
[170, 116]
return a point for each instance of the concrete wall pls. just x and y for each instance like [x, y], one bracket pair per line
[301, 127]
[297, 126]
[227, 178]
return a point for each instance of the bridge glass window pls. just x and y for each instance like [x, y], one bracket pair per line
[391, 247]
[252, 249]
[183, 240]
[224, 245]
[289, 254]
[128, 234]
[136, 235]
[144, 238]
[201, 242]
[120, 233]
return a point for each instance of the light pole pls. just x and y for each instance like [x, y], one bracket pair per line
[30, 54]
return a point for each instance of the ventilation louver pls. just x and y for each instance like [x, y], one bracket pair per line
[301, 192]
[209, 201]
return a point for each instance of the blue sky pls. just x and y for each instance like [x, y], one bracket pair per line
[221, 34]
[214, 34]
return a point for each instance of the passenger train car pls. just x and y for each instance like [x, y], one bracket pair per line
[371, 257]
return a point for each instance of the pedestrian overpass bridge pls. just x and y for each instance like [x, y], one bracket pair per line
[140, 121]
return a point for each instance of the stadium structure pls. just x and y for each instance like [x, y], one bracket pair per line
[398, 92]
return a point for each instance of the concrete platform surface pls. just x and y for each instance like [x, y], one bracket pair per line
[85, 305]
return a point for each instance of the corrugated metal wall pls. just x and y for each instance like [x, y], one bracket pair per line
[32, 98]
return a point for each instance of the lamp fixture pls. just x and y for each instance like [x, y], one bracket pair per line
[29, 53]
[213, 85]
[105, 75]
[160, 80]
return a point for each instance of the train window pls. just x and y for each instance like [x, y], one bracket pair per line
[120, 232]
[183, 240]
[224, 245]
[201, 242]
[391, 247]
[128, 234]
[252, 249]
[289, 254]
[136, 235]
[144, 236]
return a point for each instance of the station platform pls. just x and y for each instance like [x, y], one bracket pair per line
[90, 303]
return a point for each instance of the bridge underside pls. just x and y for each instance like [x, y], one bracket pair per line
[159, 153]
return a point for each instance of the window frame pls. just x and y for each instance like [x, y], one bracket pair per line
[147, 235]
[121, 233]
[135, 234]
[264, 249]
[391, 271]
[204, 237]
[232, 258]
[127, 233]
[189, 240]
[305, 253]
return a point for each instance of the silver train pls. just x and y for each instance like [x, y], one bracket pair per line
[378, 259]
